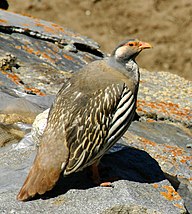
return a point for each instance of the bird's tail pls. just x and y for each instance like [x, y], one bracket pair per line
[39, 180]
[50, 161]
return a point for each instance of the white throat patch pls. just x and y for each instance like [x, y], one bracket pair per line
[120, 52]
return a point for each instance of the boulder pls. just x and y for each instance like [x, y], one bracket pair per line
[151, 163]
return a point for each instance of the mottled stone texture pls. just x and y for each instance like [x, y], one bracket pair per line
[151, 164]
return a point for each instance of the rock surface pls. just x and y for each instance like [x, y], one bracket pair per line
[151, 163]
[165, 24]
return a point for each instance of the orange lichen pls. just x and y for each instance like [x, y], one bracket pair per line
[139, 108]
[58, 27]
[46, 56]
[26, 29]
[37, 53]
[3, 21]
[52, 50]
[45, 27]
[146, 141]
[185, 159]
[34, 91]
[166, 107]
[18, 47]
[155, 186]
[55, 49]
[158, 157]
[49, 29]
[38, 24]
[171, 194]
[28, 49]
[13, 77]
[68, 57]
[179, 206]
[174, 150]
[27, 25]
[149, 120]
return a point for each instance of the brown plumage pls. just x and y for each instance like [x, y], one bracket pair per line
[90, 113]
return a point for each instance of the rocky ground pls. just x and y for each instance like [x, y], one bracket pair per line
[165, 24]
[152, 162]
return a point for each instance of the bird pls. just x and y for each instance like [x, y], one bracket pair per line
[89, 115]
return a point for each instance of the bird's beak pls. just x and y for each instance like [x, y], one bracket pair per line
[144, 45]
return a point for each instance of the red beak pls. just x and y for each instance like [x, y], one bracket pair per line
[144, 45]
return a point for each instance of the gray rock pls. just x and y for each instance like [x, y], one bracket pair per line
[150, 165]
[76, 193]
[10, 134]
[39, 58]
[10, 104]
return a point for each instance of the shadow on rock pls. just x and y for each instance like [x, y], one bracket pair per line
[133, 165]
[127, 164]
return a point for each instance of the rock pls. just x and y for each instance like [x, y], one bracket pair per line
[151, 164]
[159, 139]
[42, 53]
[142, 186]
[16, 106]
[167, 144]
[163, 97]
[10, 134]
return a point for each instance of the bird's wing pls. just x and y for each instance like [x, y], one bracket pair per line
[98, 125]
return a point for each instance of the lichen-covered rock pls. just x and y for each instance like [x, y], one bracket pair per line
[163, 97]
[141, 184]
[151, 164]
[37, 56]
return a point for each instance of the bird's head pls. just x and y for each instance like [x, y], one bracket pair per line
[129, 49]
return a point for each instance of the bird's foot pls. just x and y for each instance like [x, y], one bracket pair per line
[98, 181]
[106, 184]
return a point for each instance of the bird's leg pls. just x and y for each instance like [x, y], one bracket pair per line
[96, 177]
[95, 173]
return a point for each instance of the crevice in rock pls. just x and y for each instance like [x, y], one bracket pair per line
[28, 32]
[182, 189]
[86, 48]
[61, 42]
[173, 180]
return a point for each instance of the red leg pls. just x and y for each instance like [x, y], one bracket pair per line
[96, 177]
[95, 174]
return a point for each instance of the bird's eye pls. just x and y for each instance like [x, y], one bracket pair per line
[130, 44]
